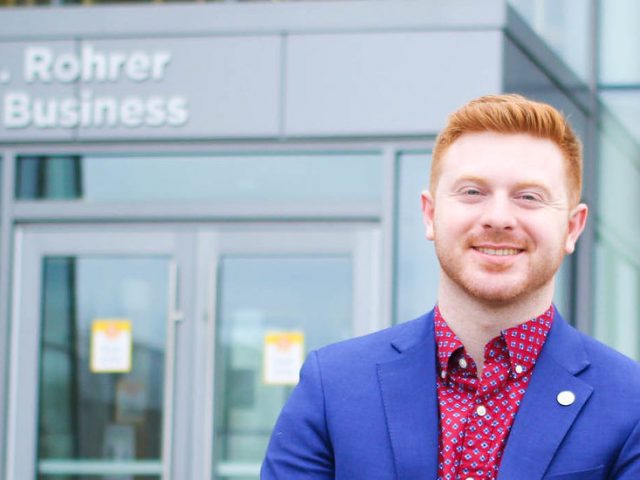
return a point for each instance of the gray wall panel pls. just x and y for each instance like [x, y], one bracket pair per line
[141, 88]
[386, 83]
[227, 86]
[250, 17]
[20, 99]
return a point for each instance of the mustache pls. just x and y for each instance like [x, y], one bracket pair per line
[498, 239]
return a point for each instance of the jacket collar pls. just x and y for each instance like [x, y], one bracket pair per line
[409, 395]
[410, 400]
[542, 422]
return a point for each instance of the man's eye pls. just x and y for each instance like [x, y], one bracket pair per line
[471, 191]
[530, 197]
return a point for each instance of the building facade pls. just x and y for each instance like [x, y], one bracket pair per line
[194, 196]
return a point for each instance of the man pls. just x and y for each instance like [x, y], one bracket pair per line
[492, 383]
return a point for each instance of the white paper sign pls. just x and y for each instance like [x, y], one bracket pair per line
[283, 357]
[111, 345]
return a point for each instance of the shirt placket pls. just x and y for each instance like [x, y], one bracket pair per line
[481, 422]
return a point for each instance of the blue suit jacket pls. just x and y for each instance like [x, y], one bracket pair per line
[366, 409]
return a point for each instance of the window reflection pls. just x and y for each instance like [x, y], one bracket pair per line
[417, 266]
[258, 295]
[565, 25]
[237, 177]
[90, 420]
[617, 257]
[50, 177]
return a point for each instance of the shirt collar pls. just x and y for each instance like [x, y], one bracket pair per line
[524, 342]
[447, 342]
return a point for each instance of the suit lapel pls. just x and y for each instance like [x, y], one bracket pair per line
[408, 388]
[541, 422]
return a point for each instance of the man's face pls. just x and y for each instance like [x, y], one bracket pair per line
[501, 218]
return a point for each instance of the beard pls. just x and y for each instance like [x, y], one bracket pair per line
[495, 284]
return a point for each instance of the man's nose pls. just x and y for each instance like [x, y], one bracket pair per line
[499, 213]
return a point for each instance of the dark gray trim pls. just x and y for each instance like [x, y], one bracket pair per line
[519, 32]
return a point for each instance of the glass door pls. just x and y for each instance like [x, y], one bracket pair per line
[95, 350]
[167, 352]
[277, 294]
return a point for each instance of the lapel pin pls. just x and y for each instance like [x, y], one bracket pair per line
[566, 398]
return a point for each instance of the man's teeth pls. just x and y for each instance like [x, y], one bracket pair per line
[499, 251]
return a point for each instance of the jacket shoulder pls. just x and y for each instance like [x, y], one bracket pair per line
[611, 366]
[382, 345]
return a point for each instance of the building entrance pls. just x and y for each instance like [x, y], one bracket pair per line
[166, 351]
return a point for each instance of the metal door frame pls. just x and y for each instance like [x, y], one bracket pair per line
[361, 240]
[32, 244]
[195, 248]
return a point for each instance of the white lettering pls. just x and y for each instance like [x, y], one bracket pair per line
[45, 113]
[178, 112]
[156, 115]
[69, 116]
[86, 100]
[105, 108]
[116, 61]
[17, 110]
[138, 66]
[20, 110]
[94, 65]
[66, 68]
[37, 64]
[160, 62]
[42, 64]
[131, 111]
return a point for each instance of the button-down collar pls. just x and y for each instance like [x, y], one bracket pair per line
[524, 343]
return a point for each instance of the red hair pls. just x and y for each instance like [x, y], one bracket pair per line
[513, 114]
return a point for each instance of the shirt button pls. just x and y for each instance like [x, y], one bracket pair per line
[443, 374]
[481, 410]
[469, 478]
[519, 369]
[463, 363]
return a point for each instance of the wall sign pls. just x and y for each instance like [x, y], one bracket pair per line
[78, 89]
[42, 65]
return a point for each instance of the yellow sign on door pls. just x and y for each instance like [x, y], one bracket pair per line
[111, 345]
[283, 357]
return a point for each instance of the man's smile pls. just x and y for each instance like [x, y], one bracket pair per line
[500, 252]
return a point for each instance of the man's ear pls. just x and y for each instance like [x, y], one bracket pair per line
[577, 222]
[428, 214]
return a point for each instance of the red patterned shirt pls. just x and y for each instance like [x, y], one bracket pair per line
[476, 414]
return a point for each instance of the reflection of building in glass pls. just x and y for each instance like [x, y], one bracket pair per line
[78, 406]
[215, 172]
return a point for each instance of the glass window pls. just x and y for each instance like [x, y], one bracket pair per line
[304, 302]
[51, 177]
[565, 25]
[101, 367]
[624, 104]
[240, 178]
[416, 263]
[617, 259]
[619, 42]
